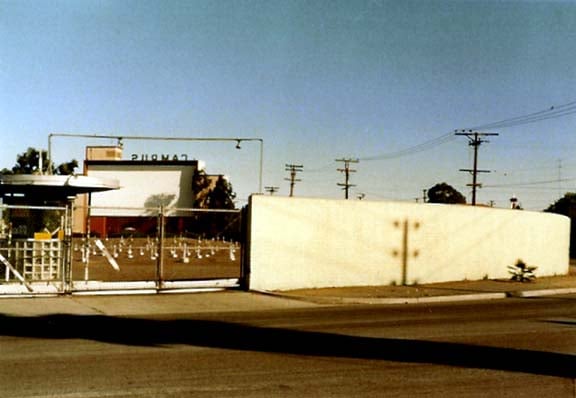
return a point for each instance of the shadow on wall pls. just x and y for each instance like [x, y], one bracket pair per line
[216, 334]
[162, 199]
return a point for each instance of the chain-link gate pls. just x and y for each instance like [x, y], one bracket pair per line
[34, 249]
[157, 249]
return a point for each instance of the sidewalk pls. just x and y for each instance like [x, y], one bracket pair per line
[440, 292]
[141, 305]
[238, 301]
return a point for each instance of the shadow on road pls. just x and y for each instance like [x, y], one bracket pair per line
[234, 336]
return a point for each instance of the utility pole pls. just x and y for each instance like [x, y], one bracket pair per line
[271, 190]
[559, 177]
[475, 140]
[346, 170]
[293, 169]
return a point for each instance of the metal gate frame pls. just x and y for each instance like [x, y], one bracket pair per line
[50, 261]
[35, 265]
[159, 284]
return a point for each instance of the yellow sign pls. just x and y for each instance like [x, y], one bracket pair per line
[42, 236]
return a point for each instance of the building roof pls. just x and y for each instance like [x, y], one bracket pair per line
[53, 186]
[140, 163]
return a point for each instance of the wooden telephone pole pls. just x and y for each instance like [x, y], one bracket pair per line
[293, 169]
[346, 170]
[475, 140]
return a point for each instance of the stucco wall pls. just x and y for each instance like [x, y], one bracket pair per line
[309, 243]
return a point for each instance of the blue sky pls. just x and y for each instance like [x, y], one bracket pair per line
[316, 80]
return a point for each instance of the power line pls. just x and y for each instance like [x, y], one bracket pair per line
[426, 145]
[555, 111]
[346, 170]
[323, 169]
[529, 183]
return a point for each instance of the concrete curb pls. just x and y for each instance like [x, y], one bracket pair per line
[542, 292]
[423, 300]
[334, 300]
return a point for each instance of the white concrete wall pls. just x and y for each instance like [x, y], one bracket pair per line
[311, 243]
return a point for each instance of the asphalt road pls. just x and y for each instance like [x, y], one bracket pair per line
[513, 347]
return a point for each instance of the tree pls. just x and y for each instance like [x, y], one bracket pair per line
[211, 192]
[67, 168]
[566, 206]
[200, 187]
[444, 193]
[222, 195]
[29, 163]
[212, 195]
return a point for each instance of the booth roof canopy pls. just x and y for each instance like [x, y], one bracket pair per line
[54, 186]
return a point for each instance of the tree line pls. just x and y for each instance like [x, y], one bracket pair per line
[33, 161]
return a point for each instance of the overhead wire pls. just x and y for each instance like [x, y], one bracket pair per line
[528, 183]
[413, 149]
[319, 169]
[555, 111]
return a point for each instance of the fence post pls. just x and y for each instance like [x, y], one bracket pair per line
[245, 243]
[160, 258]
[67, 257]
[87, 236]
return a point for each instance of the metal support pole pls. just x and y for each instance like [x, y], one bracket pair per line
[87, 236]
[67, 258]
[261, 164]
[160, 258]
[120, 138]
